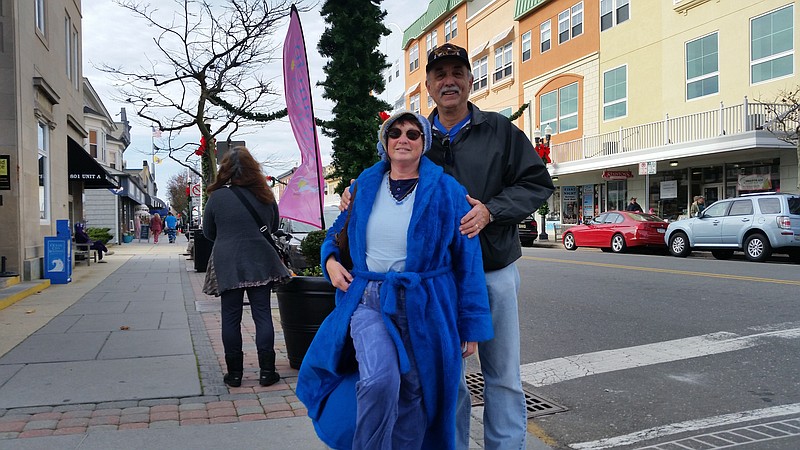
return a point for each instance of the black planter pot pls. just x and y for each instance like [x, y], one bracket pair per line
[303, 302]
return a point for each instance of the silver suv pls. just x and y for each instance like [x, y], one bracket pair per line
[757, 224]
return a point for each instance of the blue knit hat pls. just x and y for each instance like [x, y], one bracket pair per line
[384, 130]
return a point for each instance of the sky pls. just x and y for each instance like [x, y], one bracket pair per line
[114, 37]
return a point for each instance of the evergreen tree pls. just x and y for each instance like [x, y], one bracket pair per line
[354, 79]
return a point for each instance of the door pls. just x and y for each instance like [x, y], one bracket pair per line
[736, 222]
[706, 229]
[711, 193]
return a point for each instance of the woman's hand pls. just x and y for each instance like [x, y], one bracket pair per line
[468, 349]
[340, 277]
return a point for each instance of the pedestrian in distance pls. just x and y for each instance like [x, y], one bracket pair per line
[413, 306]
[697, 206]
[506, 181]
[244, 260]
[633, 206]
[171, 224]
[156, 225]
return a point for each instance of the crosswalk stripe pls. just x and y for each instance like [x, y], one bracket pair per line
[551, 371]
[689, 426]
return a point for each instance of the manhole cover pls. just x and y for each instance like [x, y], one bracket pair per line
[536, 405]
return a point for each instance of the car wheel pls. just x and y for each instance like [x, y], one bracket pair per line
[618, 243]
[757, 248]
[569, 242]
[679, 245]
[722, 254]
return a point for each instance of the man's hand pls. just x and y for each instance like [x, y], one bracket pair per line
[468, 349]
[344, 202]
[475, 220]
[340, 277]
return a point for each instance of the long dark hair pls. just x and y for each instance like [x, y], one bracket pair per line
[239, 168]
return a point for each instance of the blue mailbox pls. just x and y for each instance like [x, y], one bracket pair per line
[58, 254]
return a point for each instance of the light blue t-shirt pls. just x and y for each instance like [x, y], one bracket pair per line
[387, 230]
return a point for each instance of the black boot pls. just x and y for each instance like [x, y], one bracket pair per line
[266, 361]
[235, 365]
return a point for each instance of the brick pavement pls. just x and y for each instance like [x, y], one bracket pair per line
[247, 403]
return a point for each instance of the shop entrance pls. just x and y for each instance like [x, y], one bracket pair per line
[711, 192]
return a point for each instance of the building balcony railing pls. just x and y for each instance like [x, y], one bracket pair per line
[726, 120]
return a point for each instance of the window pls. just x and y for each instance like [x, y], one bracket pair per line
[414, 103]
[451, 28]
[568, 108]
[93, 143]
[71, 48]
[613, 12]
[772, 45]
[548, 111]
[563, 27]
[702, 67]
[503, 62]
[577, 20]
[431, 41]
[430, 102]
[44, 171]
[413, 58]
[506, 112]
[716, 210]
[769, 205]
[526, 46]
[741, 208]
[544, 36]
[480, 74]
[39, 13]
[615, 95]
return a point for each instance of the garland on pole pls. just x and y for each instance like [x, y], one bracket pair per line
[519, 112]
[256, 117]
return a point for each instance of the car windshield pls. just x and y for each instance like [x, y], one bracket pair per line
[646, 218]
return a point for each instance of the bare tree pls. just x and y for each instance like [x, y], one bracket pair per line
[786, 122]
[207, 72]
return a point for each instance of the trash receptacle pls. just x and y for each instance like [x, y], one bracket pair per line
[201, 250]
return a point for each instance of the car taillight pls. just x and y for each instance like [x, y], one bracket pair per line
[784, 222]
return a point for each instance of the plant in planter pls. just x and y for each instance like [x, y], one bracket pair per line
[305, 301]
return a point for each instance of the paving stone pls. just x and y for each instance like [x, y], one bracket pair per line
[31, 410]
[252, 417]
[101, 428]
[15, 418]
[78, 407]
[201, 399]
[224, 419]
[118, 404]
[165, 424]
[106, 412]
[215, 405]
[136, 410]
[46, 416]
[159, 402]
[73, 422]
[72, 430]
[41, 425]
[35, 433]
[277, 407]
[76, 414]
[280, 414]
[245, 410]
[9, 435]
[15, 427]
[134, 418]
[221, 412]
[272, 400]
[104, 420]
[300, 412]
[164, 408]
[167, 415]
[185, 422]
[133, 426]
[196, 414]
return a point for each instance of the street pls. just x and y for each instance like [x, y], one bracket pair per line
[645, 349]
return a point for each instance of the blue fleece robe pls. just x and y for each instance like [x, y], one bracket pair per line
[445, 307]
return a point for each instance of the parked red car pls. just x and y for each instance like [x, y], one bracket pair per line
[616, 231]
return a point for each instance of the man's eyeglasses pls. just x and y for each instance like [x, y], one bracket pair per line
[448, 152]
[412, 134]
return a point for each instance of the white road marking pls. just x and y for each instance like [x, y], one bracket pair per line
[688, 426]
[552, 371]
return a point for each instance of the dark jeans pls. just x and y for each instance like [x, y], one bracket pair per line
[232, 305]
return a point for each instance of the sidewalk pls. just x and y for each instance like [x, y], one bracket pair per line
[129, 355]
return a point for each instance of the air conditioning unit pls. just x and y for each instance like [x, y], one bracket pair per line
[756, 121]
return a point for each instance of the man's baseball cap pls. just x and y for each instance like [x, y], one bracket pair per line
[447, 51]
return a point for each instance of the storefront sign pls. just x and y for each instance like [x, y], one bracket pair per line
[569, 193]
[617, 174]
[756, 182]
[669, 189]
[5, 174]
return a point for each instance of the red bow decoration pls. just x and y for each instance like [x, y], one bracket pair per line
[384, 115]
[544, 153]
[202, 149]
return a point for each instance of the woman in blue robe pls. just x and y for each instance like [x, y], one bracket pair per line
[414, 304]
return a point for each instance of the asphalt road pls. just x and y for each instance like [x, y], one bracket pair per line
[648, 349]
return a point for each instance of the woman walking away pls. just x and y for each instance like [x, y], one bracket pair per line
[156, 225]
[243, 259]
[415, 303]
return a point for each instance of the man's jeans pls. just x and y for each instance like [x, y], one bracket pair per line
[504, 414]
[390, 414]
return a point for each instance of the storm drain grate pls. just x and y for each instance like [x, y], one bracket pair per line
[536, 405]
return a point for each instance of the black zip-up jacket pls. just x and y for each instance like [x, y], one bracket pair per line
[498, 165]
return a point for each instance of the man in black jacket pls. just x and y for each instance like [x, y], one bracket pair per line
[633, 206]
[506, 181]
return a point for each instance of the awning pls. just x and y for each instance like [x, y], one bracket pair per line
[501, 36]
[477, 50]
[413, 89]
[82, 167]
[155, 203]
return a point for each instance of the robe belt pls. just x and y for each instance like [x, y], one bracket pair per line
[392, 281]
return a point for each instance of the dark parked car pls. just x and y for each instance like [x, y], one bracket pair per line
[528, 231]
[616, 231]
